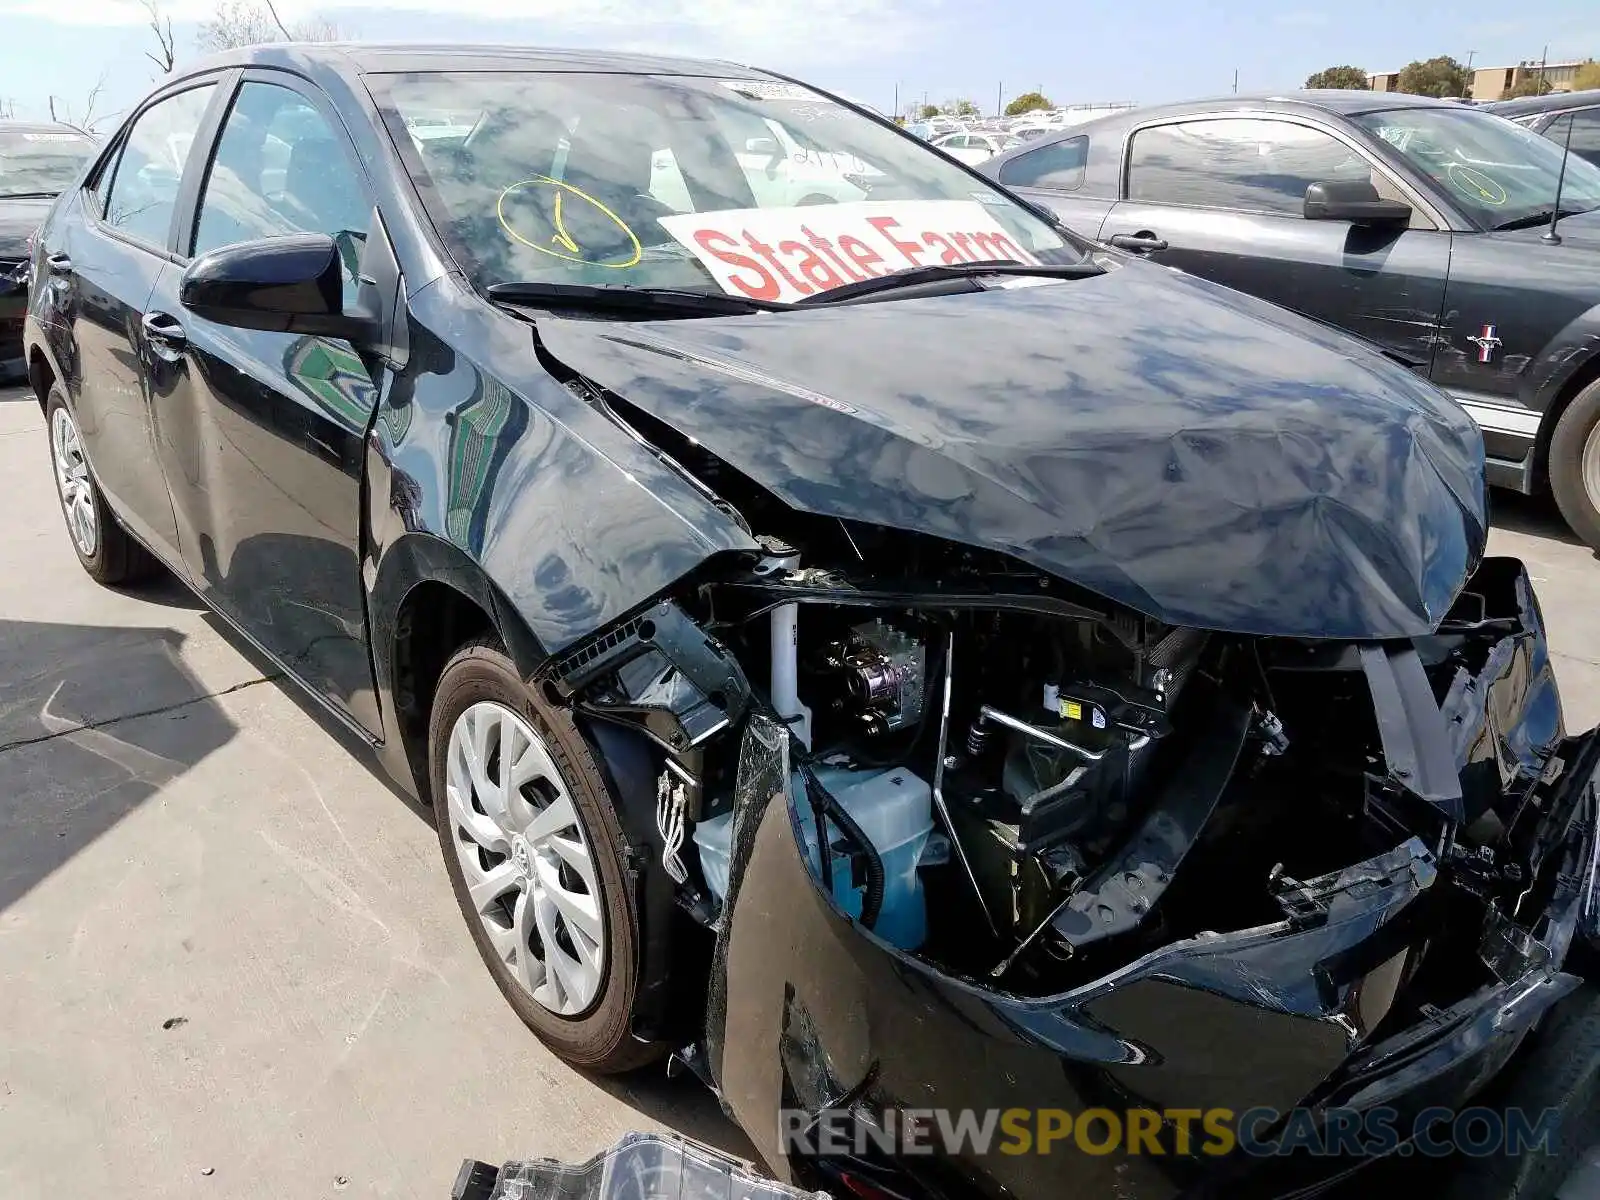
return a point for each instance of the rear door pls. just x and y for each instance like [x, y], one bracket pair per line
[262, 434]
[1223, 198]
[108, 268]
[1053, 175]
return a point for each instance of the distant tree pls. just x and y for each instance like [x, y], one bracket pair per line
[1026, 103]
[960, 108]
[84, 118]
[927, 112]
[161, 25]
[1349, 78]
[1442, 76]
[1530, 85]
[252, 22]
[1588, 76]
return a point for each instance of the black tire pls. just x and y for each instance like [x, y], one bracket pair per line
[116, 557]
[1558, 1068]
[1567, 445]
[600, 1038]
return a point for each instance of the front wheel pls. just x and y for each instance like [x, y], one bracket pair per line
[534, 852]
[104, 548]
[1575, 465]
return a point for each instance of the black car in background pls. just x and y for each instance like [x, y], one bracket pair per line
[37, 161]
[884, 677]
[1547, 115]
[1416, 224]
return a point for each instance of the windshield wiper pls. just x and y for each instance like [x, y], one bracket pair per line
[626, 298]
[1535, 219]
[938, 272]
[28, 195]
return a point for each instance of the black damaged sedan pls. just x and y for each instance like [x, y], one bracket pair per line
[850, 631]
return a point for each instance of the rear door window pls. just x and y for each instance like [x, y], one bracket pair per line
[144, 191]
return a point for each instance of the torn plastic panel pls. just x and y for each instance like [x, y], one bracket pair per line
[641, 1166]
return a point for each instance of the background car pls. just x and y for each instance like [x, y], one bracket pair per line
[974, 146]
[36, 162]
[935, 127]
[1416, 224]
[1546, 115]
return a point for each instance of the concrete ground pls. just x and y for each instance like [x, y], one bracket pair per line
[230, 965]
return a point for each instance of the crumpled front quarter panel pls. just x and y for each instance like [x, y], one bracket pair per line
[570, 519]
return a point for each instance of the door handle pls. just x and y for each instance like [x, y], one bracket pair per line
[59, 263]
[165, 334]
[1143, 242]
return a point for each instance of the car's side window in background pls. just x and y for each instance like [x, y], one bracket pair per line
[281, 168]
[1585, 133]
[144, 188]
[1058, 166]
[1247, 163]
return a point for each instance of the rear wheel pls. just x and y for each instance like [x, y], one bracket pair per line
[534, 852]
[104, 548]
[1575, 464]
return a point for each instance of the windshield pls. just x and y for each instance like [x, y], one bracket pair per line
[42, 163]
[754, 187]
[1498, 172]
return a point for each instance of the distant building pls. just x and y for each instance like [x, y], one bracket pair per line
[1497, 83]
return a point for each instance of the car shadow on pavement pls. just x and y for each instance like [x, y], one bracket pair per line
[1536, 516]
[684, 1105]
[93, 721]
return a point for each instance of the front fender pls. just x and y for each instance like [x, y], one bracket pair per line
[573, 522]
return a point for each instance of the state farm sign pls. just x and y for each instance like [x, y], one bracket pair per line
[786, 254]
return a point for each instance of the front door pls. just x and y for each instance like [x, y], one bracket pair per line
[1223, 198]
[108, 269]
[262, 434]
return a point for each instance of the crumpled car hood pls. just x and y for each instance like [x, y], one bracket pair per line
[1195, 454]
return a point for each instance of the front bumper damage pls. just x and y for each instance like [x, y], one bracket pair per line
[810, 1013]
[1273, 1017]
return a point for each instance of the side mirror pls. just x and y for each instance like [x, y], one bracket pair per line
[1354, 200]
[761, 145]
[284, 284]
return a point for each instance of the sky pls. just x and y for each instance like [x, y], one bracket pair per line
[1145, 51]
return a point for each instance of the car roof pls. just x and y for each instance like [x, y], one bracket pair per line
[1338, 103]
[1524, 106]
[366, 58]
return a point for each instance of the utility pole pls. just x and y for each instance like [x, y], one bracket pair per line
[897, 113]
[1543, 59]
[1236, 81]
[999, 98]
[1467, 94]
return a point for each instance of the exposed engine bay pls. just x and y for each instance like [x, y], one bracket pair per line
[1025, 785]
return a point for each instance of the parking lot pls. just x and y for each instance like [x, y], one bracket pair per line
[232, 964]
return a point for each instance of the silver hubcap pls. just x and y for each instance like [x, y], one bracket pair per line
[1591, 466]
[72, 481]
[527, 860]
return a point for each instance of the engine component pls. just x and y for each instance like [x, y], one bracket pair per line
[885, 676]
[785, 688]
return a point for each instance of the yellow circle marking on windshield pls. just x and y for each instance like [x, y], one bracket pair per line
[562, 238]
[1476, 184]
